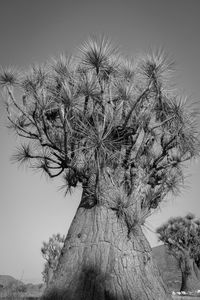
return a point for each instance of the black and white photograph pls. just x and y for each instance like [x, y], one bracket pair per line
[100, 146]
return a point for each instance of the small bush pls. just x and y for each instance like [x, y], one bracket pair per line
[21, 288]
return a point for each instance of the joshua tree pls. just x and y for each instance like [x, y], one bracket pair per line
[51, 251]
[181, 235]
[114, 128]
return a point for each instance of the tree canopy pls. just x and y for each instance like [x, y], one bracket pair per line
[51, 252]
[98, 113]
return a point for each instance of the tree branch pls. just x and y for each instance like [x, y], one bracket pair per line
[134, 106]
[18, 107]
[54, 175]
[31, 134]
[161, 124]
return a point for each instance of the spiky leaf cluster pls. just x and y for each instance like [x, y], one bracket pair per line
[80, 116]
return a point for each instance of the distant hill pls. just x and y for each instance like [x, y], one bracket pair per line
[6, 280]
[168, 267]
[11, 288]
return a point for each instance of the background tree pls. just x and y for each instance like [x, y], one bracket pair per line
[181, 235]
[51, 252]
[113, 127]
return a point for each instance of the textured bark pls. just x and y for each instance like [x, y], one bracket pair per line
[190, 275]
[103, 260]
[49, 275]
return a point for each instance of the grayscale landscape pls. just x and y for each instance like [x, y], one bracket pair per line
[100, 144]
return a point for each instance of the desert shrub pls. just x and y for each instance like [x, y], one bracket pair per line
[21, 288]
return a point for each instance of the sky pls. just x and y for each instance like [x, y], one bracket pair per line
[33, 208]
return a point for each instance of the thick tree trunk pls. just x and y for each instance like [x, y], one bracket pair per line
[103, 260]
[190, 275]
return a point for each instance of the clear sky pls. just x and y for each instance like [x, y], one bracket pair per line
[31, 208]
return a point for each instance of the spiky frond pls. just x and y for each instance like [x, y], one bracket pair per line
[127, 69]
[157, 65]
[174, 181]
[35, 79]
[124, 91]
[9, 77]
[22, 155]
[88, 85]
[98, 54]
[64, 66]
[70, 181]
